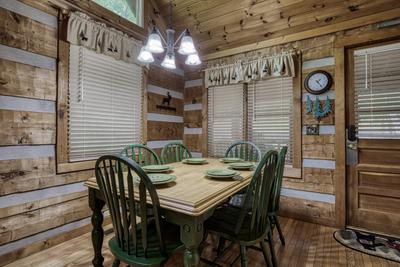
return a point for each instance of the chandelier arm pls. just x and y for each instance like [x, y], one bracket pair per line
[179, 38]
[162, 37]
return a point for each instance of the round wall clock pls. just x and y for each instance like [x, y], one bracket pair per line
[318, 82]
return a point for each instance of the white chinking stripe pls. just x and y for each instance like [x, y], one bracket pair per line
[323, 129]
[319, 163]
[26, 152]
[20, 198]
[197, 154]
[27, 104]
[314, 196]
[189, 107]
[161, 143]
[42, 236]
[331, 94]
[30, 12]
[194, 83]
[25, 57]
[187, 130]
[318, 63]
[163, 91]
[165, 118]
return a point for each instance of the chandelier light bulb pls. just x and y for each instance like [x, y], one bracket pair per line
[187, 46]
[145, 56]
[169, 61]
[154, 44]
[193, 60]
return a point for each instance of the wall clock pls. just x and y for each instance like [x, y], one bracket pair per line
[318, 82]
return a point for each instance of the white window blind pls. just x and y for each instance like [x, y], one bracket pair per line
[377, 92]
[105, 104]
[270, 114]
[225, 117]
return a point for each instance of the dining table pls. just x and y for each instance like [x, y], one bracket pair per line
[188, 202]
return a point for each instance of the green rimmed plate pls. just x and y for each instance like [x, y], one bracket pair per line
[221, 173]
[159, 178]
[194, 161]
[241, 165]
[231, 160]
[156, 168]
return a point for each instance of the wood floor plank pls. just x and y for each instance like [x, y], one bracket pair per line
[307, 244]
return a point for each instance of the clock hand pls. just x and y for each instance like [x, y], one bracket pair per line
[318, 82]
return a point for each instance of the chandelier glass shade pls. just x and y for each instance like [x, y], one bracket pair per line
[156, 44]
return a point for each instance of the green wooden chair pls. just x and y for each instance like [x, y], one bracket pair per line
[149, 242]
[245, 150]
[174, 152]
[141, 154]
[276, 193]
[249, 225]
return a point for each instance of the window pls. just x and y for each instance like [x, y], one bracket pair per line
[105, 104]
[377, 92]
[270, 114]
[128, 9]
[225, 117]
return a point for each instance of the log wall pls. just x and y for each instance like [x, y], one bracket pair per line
[38, 207]
[313, 197]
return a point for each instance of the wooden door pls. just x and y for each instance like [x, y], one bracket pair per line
[373, 138]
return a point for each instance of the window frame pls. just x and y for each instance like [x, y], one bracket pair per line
[62, 157]
[291, 171]
[140, 13]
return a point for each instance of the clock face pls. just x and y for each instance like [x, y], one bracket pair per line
[318, 82]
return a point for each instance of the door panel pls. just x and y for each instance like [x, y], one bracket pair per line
[373, 179]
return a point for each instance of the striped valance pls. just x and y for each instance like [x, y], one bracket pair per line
[84, 31]
[242, 70]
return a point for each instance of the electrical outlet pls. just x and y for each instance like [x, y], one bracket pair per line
[312, 129]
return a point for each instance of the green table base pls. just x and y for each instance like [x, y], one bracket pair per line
[192, 230]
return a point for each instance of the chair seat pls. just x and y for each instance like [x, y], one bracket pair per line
[154, 257]
[224, 221]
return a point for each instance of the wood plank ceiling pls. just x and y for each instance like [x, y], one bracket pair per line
[220, 24]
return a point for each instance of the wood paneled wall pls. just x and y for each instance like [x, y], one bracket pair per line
[36, 204]
[164, 125]
[38, 207]
[313, 197]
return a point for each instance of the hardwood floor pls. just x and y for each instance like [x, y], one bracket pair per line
[307, 244]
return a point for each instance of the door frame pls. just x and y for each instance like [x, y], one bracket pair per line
[341, 45]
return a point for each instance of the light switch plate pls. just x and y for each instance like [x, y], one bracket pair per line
[312, 129]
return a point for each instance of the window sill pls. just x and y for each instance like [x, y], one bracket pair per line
[293, 173]
[75, 166]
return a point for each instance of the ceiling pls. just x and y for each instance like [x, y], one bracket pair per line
[221, 24]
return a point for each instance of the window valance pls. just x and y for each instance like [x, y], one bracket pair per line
[264, 67]
[84, 31]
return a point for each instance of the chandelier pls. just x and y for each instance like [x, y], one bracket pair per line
[156, 44]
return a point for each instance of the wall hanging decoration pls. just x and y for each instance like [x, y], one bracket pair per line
[318, 82]
[166, 101]
[316, 108]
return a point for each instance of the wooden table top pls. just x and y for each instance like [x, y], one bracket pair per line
[192, 193]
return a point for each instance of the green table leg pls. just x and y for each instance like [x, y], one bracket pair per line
[96, 204]
[192, 231]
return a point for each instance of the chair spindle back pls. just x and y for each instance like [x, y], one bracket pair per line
[174, 152]
[128, 201]
[245, 150]
[141, 154]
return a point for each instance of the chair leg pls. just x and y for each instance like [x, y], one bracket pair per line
[116, 263]
[272, 249]
[221, 245]
[281, 237]
[243, 255]
[264, 249]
